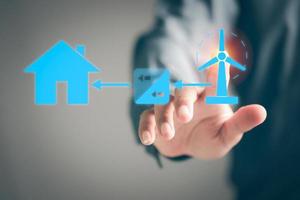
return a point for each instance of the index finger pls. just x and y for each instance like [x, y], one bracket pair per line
[184, 102]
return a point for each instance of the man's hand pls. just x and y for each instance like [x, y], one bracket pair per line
[188, 126]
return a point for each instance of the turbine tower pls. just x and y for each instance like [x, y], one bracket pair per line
[222, 58]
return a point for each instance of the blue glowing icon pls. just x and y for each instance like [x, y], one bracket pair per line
[62, 63]
[179, 84]
[98, 84]
[151, 86]
[222, 58]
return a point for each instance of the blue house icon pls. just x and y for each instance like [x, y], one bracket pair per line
[62, 63]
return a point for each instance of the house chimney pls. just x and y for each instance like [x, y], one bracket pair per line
[80, 48]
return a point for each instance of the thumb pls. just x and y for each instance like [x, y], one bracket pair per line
[243, 120]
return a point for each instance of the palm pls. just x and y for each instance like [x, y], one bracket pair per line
[201, 133]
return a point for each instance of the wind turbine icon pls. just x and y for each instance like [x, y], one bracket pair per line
[222, 58]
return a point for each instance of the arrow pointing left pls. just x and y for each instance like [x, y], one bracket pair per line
[98, 84]
[179, 84]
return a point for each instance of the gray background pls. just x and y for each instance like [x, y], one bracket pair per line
[83, 152]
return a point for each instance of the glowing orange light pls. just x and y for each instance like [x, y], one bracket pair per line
[236, 46]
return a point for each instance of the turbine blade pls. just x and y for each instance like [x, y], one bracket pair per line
[235, 64]
[222, 40]
[209, 63]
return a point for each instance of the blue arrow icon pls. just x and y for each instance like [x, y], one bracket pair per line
[98, 84]
[179, 84]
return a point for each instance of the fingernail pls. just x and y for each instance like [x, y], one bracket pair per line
[146, 139]
[167, 130]
[184, 112]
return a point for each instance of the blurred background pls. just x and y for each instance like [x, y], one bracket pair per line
[83, 152]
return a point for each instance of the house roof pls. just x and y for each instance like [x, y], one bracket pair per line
[61, 55]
